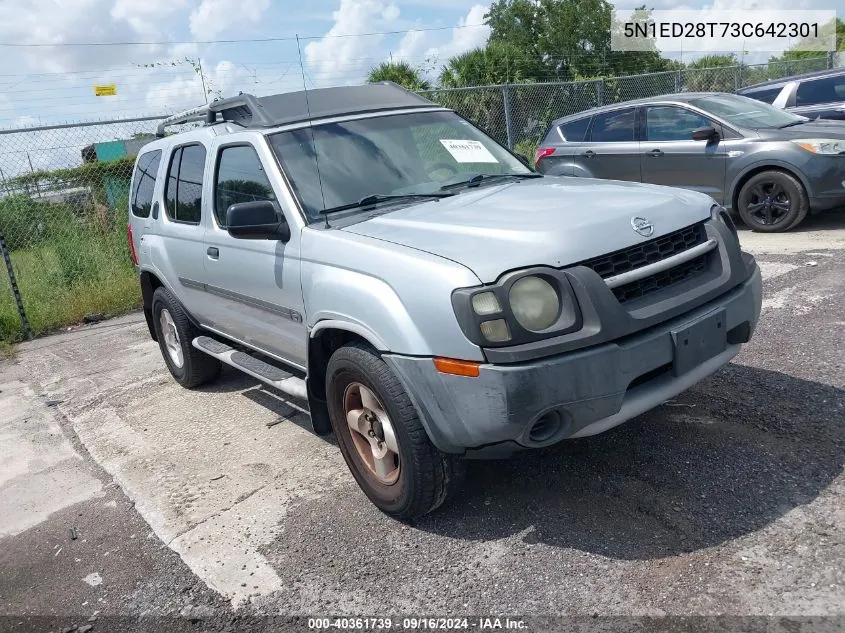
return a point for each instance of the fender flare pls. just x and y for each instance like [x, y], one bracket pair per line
[769, 163]
[350, 326]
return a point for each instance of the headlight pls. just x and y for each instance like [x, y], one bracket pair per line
[521, 307]
[534, 303]
[821, 145]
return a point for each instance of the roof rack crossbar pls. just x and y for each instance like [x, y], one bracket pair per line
[208, 113]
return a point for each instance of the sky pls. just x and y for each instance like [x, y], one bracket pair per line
[47, 78]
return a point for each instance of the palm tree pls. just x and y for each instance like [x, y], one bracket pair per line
[401, 73]
[495, 63]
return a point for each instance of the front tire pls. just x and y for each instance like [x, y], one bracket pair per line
[174, 331]
[772, 202]
[381, 437]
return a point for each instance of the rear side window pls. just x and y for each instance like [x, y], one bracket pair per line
[827, 90]
[240, 178]
[613, 127]
[183, 192]
[575, 131]
[766, 96]
[145, 182]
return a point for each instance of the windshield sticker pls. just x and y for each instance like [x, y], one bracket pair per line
[468, 151]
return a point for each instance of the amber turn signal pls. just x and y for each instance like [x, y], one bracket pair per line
[457, 367]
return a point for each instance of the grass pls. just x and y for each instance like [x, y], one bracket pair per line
[61, 282]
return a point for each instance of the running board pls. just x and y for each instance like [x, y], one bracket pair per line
[265, 372]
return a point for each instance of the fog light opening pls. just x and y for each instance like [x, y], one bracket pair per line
[546, 427]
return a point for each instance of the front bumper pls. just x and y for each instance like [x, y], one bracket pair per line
[826, 179]
[579, 393]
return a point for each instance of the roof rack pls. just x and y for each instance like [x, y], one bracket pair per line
[301, 106]
[243, 109]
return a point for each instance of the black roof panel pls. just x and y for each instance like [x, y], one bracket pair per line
[320, 103]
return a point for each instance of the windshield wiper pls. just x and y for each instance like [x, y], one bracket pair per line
[477, 179]
[791, 123]
[377, 198]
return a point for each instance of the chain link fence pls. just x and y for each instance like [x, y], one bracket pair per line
[64, 189]
[64, 194]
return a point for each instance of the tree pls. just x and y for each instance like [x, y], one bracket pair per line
[799, 50]
[708, 73]
[399, 72]
[493, 64]
[569, 38]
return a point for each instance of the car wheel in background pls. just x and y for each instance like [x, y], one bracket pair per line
[174, 331]
[772, 201]
[381, 437]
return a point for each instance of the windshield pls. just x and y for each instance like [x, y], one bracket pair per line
[745, 112]
[411, 153]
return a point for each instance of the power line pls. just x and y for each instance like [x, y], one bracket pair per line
[237, 41]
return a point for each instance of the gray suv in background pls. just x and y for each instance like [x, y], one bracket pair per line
[819, 95]
[770, 166]
[417, 289]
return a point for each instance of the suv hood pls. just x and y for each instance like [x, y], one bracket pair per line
[551, 221]
[819, 128]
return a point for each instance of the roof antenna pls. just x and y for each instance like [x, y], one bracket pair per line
[311, 129]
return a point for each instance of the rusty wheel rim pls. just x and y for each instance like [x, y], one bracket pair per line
[372, 432]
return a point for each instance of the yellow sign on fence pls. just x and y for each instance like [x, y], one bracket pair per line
[107, 90]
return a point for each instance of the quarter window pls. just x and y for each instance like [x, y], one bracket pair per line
[574, 131]
[766, 96]
[670, 123]
[240, 178]
[183, 192]
[827, 90]
[145, 182]
[613, 127]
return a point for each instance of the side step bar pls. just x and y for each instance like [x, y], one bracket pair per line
[265, 372]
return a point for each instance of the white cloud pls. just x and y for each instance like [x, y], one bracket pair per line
[147, 17]
[213, 17]
[412, 45]
[466, 37]
[334, 58]
[186, 91]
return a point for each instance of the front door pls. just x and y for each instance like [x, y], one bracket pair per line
[254, 284]
[670, 156]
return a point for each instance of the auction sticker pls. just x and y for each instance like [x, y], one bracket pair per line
[468, 151]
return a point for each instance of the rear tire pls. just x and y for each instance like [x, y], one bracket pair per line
[772, 202]
[420, 478]
[175, 332]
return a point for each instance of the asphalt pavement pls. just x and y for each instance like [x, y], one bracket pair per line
[123, 495]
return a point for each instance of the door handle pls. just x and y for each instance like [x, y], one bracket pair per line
[655, 153]
[588, 154]
[213, 252]
[155, 211]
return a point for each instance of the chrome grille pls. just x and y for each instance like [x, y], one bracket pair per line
[651, 252]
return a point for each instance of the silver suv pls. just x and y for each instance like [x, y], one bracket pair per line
[428, 295]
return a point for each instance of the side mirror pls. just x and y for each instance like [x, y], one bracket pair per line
[258, 220]
[705, 134]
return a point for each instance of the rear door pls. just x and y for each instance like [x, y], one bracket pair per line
[141, 200]
[671, 157]
[610, 149]
[255, 284]
[179, 225]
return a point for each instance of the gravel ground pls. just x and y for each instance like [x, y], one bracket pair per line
[726, 501]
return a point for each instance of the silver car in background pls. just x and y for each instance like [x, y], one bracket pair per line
[818, 95]
[769, 166]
